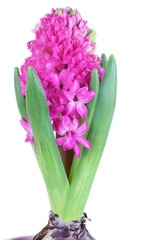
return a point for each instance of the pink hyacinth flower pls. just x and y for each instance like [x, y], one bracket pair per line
[73, 134]
[29, 136]
[77, 98]
[62, 54]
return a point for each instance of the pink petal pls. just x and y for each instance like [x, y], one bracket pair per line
[68, 82]
[51, 64]
[55, 110]
[69, 109]
[53, 78]
[68, 95]
[60, 141]
[58, 127]
[35, 148]
[23, 92]
[66, 122]
[90, 95]
[81, 109]
[82, 129]
[68, 9]
[70, 76]
[61, 97]
[71, 21]
[26, 125]
[78, 17]
[68, 144]
[63, 75]
[76, 149]
[82, 92]
[75, 124]
[75, 86]
[84, 142]
[29, 138]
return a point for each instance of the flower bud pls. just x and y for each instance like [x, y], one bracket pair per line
[73, 12]
[58, 12]
[92, 35]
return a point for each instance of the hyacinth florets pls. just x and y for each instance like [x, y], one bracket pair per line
[62, 55]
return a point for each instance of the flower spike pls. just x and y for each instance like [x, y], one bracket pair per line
[62, 57]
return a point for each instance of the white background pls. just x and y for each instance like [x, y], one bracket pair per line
[116, 201]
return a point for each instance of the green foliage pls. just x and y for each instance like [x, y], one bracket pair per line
[68, 198]
[104, 62]
[48, 155]
[20, 99]
[99, 129]
[94, 85]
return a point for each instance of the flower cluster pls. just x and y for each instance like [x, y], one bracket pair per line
[62, 55]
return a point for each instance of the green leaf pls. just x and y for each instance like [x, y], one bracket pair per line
[38, 157]
[82, 182]
[104, 63]
[19, 98]
[94, 85]
[48, 155]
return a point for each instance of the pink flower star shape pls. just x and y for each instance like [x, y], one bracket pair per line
[77, 97]
[72, 132]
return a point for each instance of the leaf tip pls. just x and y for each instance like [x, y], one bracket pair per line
[16, 71]
[30, 68]
[112, 57]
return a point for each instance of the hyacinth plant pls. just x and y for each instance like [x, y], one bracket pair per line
[66, 98]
